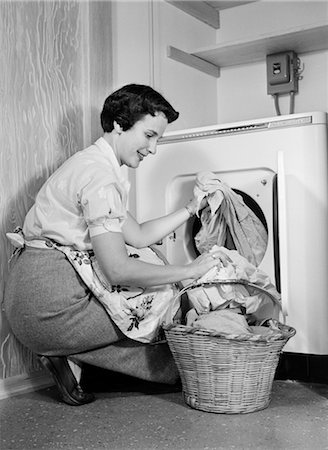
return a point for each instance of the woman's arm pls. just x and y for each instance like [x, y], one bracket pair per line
[116, 265]
[150, 232]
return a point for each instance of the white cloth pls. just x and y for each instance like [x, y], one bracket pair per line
[231, 322]
[227, 211]
[84, 197]
[225, 321]
[209, 298]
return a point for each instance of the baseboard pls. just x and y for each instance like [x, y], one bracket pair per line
[21, 384]
[303, 367]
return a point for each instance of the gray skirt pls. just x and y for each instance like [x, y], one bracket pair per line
[52, 312]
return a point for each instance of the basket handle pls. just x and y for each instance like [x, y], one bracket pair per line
[229, 281]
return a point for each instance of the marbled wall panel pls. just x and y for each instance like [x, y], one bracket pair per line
[42, 91]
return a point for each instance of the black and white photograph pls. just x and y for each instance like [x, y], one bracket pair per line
[164, 225]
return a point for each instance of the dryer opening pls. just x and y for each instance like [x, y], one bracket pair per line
[195, 223]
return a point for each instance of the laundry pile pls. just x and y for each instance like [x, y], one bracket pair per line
[239, 297]
[239, 284]
[233, 323]
[233, 299]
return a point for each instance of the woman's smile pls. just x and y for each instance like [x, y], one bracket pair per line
[141, 155]
[134, 144]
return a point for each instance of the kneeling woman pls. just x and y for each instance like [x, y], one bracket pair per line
[80, 291]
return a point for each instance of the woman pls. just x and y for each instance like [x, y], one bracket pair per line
[75, 241]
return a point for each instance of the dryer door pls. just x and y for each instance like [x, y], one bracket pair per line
[256, 186]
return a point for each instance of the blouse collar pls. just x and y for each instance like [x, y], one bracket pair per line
[108, 151]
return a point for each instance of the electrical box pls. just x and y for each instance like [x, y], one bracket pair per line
[282, 73]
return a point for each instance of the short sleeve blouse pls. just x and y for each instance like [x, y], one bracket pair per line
[85, 197]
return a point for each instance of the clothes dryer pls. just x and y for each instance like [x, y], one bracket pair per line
[279, 166]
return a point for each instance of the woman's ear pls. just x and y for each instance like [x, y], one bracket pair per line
[117, 127]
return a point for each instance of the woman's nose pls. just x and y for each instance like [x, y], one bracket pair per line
[152, 148]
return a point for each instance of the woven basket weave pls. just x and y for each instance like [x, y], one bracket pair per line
[226, 373]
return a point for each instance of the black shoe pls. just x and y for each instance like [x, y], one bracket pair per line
[69, 389]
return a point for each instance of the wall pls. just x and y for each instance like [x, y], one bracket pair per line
[192, 92]
[55, 59]
[142, 30]
[241, 89]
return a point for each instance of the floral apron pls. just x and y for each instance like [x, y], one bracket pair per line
[138, 312]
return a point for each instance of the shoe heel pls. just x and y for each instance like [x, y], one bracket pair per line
[65, 381]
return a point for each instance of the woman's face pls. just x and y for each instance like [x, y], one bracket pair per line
[141, 139]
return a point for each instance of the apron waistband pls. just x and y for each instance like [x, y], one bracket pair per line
[41, 243]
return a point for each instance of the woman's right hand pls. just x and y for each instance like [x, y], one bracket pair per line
[206, 261]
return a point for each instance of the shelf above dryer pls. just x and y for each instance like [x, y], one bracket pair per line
[303, 39]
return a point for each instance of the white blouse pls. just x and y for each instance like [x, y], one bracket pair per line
[85, 197]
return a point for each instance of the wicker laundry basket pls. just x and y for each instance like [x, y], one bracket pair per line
[226, 373]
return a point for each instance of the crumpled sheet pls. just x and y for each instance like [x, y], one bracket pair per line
[230, 322]
[219, 296]
[226, 321]
[226, 209]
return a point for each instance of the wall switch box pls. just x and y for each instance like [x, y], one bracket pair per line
[282, 73]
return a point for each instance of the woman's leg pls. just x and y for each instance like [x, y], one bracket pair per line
[53, 313]
[150, 362]
[49, 308]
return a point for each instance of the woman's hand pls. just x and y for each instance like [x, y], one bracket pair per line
[193, 207]
[206, 261]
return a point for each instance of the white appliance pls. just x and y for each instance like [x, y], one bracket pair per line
[280, 166]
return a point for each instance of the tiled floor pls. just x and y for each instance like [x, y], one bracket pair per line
[145, 417]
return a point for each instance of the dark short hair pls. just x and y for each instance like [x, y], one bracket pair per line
[131, 103]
